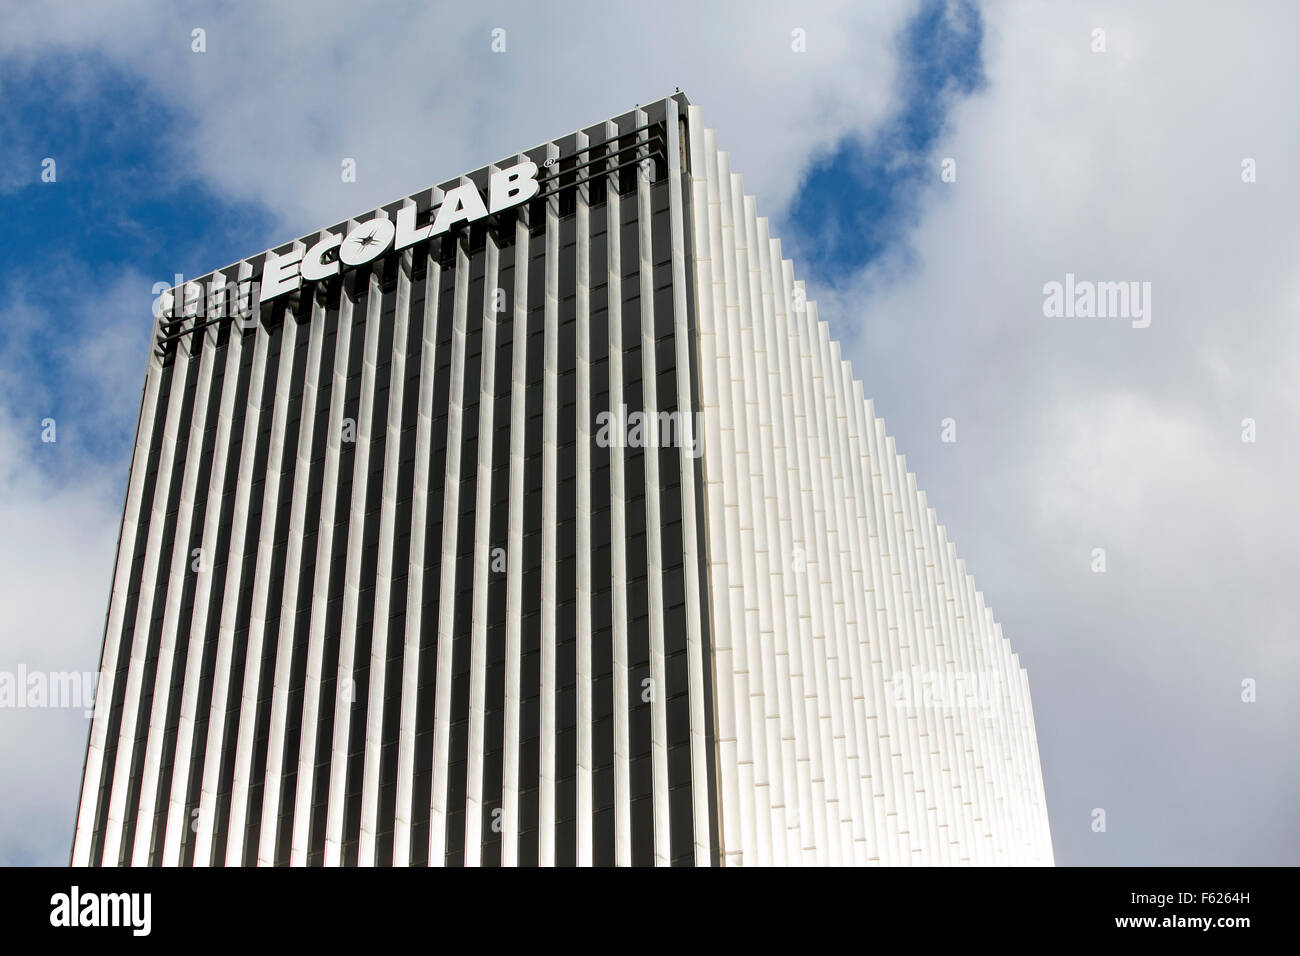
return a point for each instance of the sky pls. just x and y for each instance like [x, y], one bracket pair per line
[930, 167]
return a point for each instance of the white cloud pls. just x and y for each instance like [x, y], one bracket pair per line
[60, 508]
[415, 94]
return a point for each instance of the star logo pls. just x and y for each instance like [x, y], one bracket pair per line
[365, 240]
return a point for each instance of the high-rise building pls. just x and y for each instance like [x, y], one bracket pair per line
[535, 518]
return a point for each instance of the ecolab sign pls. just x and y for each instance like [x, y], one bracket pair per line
[369, 240]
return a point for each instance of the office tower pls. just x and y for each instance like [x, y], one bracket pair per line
[535, 518]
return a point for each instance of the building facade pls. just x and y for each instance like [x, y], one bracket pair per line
[536, 519]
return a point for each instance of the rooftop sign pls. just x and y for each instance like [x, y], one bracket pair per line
[371, 239]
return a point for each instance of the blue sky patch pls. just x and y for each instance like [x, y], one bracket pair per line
[857, 201]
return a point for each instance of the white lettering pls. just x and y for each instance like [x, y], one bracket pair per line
[364, 243]
[461, 204]
[407, 234]
[280, 274]
[367, 242]
[513, 185]
[314, 267]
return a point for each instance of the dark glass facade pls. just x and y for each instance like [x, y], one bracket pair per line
[583, 275]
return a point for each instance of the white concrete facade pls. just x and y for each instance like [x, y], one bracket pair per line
[839, 610]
